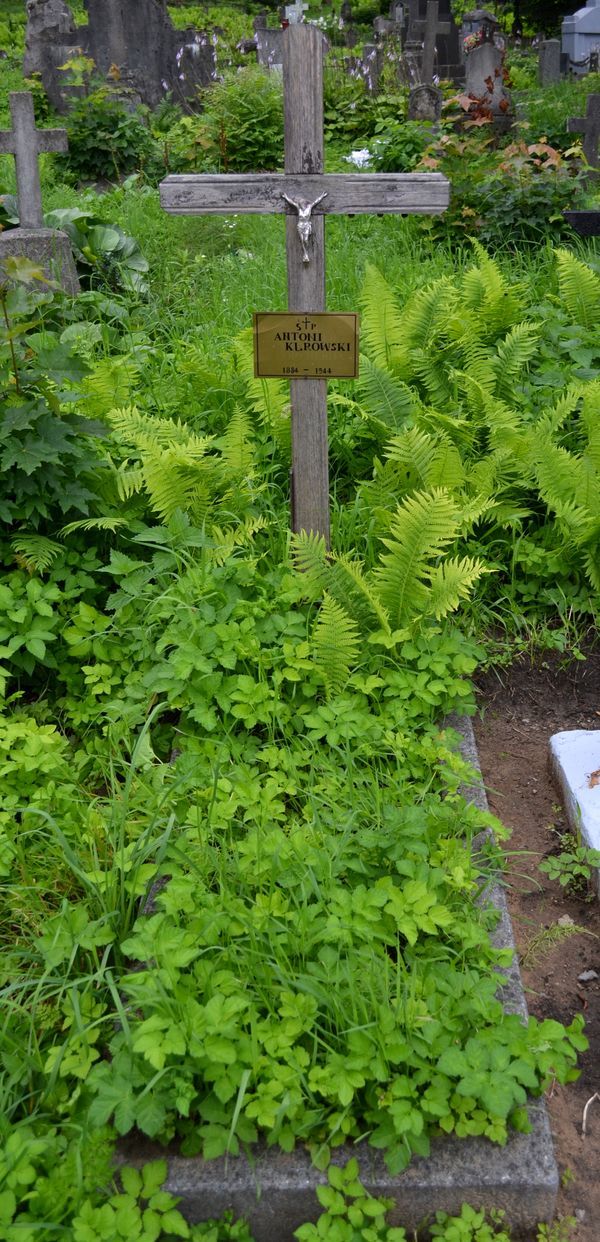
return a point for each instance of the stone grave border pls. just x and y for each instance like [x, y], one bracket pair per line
[275, 1191]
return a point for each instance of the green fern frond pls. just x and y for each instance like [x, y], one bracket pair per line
[95, 523]
[148, 433]
[452, 582]
[591, 561]
[485, 291]
[425, 314]
[430, 370]
[579, 289]
[513, 354]
[382, 323]
[111, 384]
[270, 399]
[351, 587]
[430, 461]
[335, 643]
[35, 552]
[309, 556]
[553, 419]
[236, 444]
[421, 528]
[129, 480]
[384, 397]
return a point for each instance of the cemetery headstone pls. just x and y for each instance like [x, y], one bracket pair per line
[47, 247]
[589, 126]
[485, 82]
[549, 63]
[137, 36]
[424, 103]
[305, 195]
[268, 41]
[580, 35]
[51, 39]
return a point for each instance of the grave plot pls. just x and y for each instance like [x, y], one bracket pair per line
[248, 911]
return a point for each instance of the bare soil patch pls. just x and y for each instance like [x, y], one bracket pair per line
[520, 708]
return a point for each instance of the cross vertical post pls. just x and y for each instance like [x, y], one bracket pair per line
[589, 126]
[433, 28]
[303, 125]
[26, 142]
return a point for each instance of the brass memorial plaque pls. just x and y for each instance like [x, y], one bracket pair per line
[305, 346]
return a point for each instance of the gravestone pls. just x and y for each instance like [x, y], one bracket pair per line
[589, 126]
[136, 36]
[373, 60]
[51, 39]
[49, 248]
[485, 82]
[580, 33]
[434, 27]
[549, 63]
[424, 103]
[268, 41]
[305, 195]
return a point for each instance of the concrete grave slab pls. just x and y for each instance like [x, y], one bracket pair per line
[275, 1191]
[575, 763]
[49, 248]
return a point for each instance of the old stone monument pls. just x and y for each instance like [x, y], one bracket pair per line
[549, 63]
[581, 36]
[305, 195]
[485, 83]
[134, 36]
[47, 247]
[424, 103]
[589, 126]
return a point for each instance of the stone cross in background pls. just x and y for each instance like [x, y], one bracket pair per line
[433, 28]
[294, 13]
[47, 247]
[310, 195]
[26, 143]
[589, 126]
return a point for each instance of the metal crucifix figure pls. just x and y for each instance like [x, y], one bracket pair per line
[304, 226]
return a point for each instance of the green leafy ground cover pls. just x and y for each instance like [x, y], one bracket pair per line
[194, 698]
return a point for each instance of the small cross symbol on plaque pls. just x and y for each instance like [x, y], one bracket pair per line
[305, 195]
[26, 143]
[589, 126]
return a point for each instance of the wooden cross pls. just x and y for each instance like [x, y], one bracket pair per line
[304, 182]
[589, 126]
[26, 142]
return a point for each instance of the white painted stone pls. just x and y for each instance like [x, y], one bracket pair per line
[581, 35]
[575, 759]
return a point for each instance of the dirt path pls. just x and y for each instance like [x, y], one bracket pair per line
[521, 709]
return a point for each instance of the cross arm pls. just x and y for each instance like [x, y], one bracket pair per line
[52, 140]
[347, 193]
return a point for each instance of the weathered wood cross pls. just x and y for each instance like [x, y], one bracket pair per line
[314, 194]
[426, 30]
[26, 142]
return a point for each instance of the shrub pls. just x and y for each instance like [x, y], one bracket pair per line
[241, 129]
[107, 139]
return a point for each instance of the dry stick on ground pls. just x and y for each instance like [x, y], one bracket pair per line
[596, 1096]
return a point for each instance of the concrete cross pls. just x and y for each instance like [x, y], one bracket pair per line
[303, 183]
[589, 126]
[26, 142]
[425, 31]
[294, 13]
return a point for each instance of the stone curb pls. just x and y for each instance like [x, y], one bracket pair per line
[275, 1192]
